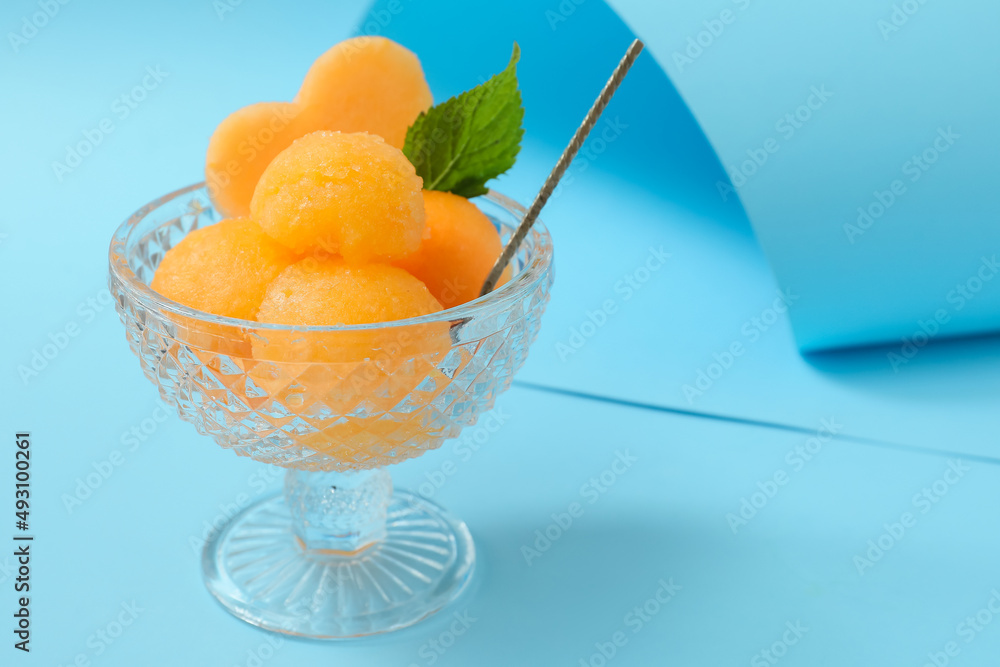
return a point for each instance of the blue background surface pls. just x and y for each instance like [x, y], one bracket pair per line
[699, 454]
[860, 134]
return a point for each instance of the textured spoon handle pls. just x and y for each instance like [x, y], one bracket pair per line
[561, 166]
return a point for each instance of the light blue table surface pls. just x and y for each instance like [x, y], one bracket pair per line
[697, 455]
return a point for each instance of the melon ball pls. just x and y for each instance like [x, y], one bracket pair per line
[363, 84]
[347, 193]
[331, 292]
[366, 84]
[241, 148]
[337, 372]
[223, 269]
[459, 247]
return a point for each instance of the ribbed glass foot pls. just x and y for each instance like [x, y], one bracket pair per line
[288, 569]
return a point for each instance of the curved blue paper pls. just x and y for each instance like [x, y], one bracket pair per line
[862, 138]
[568, 51]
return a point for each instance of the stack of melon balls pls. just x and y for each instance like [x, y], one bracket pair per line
[326, 221]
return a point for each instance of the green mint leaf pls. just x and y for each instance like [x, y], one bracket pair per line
[459, 145]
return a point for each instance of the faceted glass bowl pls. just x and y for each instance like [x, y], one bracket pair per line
[339, 555]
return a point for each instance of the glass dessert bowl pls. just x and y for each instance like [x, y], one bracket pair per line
[339, 553]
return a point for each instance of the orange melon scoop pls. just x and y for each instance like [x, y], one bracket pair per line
[364, 84]
[333, 292]
[458, 249]
[351, 194]
[223, 269]
[344, 381]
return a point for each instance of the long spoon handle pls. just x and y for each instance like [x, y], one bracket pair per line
[561, 166]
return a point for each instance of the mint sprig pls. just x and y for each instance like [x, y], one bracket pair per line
[461, 144]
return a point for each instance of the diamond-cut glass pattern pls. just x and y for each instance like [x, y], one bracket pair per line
[390, 404]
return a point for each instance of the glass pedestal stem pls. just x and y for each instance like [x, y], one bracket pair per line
[338, 513]
[338, 555]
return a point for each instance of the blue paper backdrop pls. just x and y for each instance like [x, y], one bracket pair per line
[862, 138]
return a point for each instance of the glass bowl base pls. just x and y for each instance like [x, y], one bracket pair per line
[258, 569]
